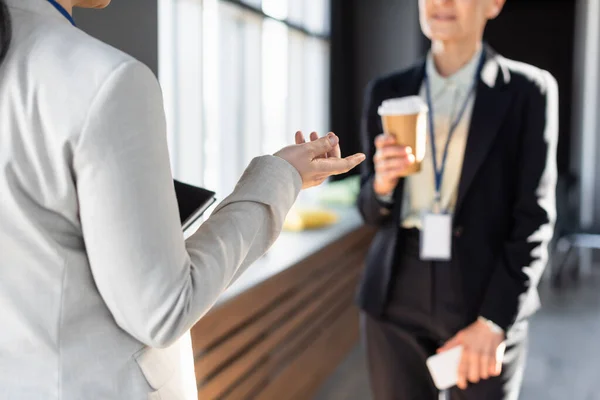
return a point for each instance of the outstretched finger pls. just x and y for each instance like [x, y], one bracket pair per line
[336, 152]
[337, 166]
[322, 146]
[314, 136]
[299, 138]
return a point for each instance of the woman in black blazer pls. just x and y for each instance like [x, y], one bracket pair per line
[500, 121]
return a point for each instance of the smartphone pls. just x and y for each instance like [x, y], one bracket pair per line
[443, 367]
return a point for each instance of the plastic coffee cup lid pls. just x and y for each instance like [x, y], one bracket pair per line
[402, 106]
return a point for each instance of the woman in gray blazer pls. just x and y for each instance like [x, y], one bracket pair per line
[98, 288]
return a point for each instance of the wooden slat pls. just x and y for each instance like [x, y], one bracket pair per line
[215, 387]
[287, 352]
[214, 327]
[208, 364]
[301, 379]
[296, 346]
[301, 341]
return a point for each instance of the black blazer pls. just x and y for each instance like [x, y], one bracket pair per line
[505, 210]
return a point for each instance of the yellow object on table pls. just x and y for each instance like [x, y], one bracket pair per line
[300, 219]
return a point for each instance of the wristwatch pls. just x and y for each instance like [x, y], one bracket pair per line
[493, 327]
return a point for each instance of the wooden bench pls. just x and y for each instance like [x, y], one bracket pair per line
[282, 338]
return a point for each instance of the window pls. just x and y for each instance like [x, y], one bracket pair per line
[240, 77]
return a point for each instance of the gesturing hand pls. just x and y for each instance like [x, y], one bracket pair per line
[483, 352]
[336, 152]
[318, 160]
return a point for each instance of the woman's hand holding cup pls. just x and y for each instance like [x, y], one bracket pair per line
[392, 162]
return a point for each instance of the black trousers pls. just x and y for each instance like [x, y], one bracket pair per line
[424, 310]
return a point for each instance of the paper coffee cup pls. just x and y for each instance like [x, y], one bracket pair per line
[405, 119]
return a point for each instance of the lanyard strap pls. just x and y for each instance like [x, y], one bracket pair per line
[62, 10]
[439, 170]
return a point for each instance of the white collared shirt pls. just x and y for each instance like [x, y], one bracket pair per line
[448, 96]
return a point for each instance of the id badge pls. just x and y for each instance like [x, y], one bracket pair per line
[436, 237]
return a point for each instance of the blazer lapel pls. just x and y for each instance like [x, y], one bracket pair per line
[413, 87]
[491, 105]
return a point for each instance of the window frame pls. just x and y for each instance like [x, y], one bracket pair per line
[290, 24]
[193, 94]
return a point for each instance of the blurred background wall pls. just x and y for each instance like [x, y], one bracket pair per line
[129, 25]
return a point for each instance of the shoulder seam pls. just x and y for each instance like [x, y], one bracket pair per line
[120, 67]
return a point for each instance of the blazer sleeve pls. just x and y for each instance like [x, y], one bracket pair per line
[155, 284]
[374, 210]
[525, 253]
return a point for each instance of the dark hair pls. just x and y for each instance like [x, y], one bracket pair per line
[5, 30]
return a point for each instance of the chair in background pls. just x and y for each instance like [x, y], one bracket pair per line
[569, 236]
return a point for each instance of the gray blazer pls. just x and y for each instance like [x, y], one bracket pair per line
[98, 289]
